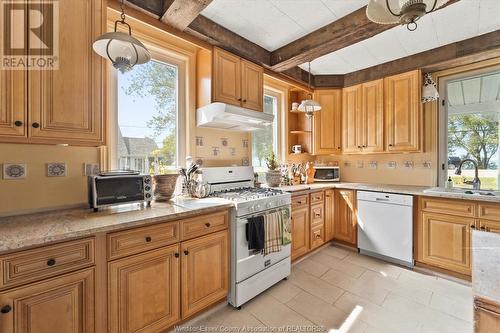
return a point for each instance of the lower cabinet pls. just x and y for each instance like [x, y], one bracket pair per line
[60, 304]
[486, 316]
[144, 291]
[345, 221]
[205, 272]
[300, 231]
[329, 214]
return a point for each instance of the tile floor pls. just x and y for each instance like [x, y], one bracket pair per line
[338, 290]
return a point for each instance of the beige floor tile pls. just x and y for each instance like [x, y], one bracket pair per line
[457, 307]
[315, 286]
[345, 267]
[312, 267]
[336, 277]
[336, 251]
[318, 311]
[376, 265]
[365, 289]
[272, 313]
[284, 291]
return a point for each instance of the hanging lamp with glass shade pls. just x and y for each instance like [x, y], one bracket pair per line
[309, 106]
[405, 12]
[123, 50]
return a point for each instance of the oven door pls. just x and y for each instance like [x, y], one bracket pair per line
[250, 262]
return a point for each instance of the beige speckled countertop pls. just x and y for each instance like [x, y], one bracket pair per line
[37, 229]
[400, 189]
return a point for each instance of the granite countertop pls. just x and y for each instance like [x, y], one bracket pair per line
[36, 229]
[486, 265]
[399, 189]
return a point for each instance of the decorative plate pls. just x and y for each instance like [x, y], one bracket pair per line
[14, 171]
[56, 169]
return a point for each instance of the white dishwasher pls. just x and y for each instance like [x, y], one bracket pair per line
[385, 226]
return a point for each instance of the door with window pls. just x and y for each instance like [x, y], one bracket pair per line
[470, 114]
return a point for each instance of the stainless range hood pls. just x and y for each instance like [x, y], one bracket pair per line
[232, 118]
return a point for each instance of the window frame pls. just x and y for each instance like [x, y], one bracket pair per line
[443, 116]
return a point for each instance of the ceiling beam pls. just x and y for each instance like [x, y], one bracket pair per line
[180, 13]
[467, 51]
[348, 30]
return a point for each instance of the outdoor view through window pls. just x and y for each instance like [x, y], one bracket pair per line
[473, 117]
[265, 141]
[147, 118]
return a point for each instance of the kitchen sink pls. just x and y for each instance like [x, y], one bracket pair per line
[464, 191]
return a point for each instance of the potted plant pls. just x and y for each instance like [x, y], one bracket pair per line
[164, 183]
[273, 174]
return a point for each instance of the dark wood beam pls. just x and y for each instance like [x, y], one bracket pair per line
[216, 34]
[348, 30]
[180, 13]
[471, 50]
[328, 81]
[155, 7]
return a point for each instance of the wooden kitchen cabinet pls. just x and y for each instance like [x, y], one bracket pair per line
[327, 124]
[363, 114]
[486, 316]
[300, 231]
[65, 105]
[204, 272]
[237, 81]
[446, 241]
[329, 214]
[62, 304]
[144, 291]
[345, 224]
[351, 119]
[490, 226]
[317, 219]
[404, 114]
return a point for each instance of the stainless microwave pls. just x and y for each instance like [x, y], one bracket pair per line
[113, 188]
[327, 174]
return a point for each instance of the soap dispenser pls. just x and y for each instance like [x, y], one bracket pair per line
[449, 183]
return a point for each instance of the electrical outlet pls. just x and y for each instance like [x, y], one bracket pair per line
[90, 169]
[391, 165]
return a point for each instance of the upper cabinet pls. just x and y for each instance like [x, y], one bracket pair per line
[352, 119]
[63, 105]
[373, 117]
[327, 128]
[403, 112]
[226, 78]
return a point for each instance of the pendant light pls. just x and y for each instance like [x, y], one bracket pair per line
[405, 12]
[123, 50]
[309, 106]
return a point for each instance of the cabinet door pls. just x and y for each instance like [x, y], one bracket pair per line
[329, 214]
[205, 272]
[64, 304]
[144, 291]
[252, 86]
[317, 236]
[403, 112]
[352, 119]
[13, 109]
[300, 232]
[486, 316]
[66, 105]
[373, 116]
[327, 125]
[345, 227]
[490, 226]
[226, 78]
[446, 241]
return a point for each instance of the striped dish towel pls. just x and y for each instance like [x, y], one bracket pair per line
[273, 233]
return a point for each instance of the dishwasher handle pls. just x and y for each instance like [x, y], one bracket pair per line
[381, 199]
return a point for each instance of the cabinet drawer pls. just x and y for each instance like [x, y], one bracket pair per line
[128, 242]
[43, 262]
[449, 207]
[490, 226]
[489, 212]
[317, 236]
[300, 201]
[317, 197]
[203, 225]
[317, 214]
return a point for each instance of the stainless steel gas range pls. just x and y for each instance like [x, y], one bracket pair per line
[251, 271]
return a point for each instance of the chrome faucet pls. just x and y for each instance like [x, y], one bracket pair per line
[476, 183]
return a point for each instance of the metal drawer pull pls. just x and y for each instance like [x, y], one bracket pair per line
[186, 252]
[148, 239]
[176, 255]
[51, 262]
[6, 309]
[207, 225]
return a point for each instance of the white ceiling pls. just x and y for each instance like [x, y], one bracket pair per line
[274, 23]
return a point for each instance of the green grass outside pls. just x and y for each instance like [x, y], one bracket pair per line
[487, 183]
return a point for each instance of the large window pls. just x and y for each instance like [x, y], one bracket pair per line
[266, 141]
[471, 113]
[148, 118]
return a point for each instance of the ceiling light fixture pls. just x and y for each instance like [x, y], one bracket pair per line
[123, 50]
[309, 106]
[406, 12]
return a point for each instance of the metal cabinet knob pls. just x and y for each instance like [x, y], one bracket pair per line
[6, 309]
[207, 225]
[472, 226]
[51, 262]
[18, 123]
[186, 252]
[176, 255]
[148, 239]
[35, 125]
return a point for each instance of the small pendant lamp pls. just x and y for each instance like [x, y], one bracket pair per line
[123, 50]
[309, 106]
